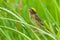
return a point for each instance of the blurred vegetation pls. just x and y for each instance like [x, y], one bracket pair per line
[15, 23]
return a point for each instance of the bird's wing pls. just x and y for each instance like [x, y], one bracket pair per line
[38, 19]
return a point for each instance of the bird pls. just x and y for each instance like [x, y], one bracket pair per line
[35, 19]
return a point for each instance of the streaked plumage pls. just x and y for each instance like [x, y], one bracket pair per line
[34, 17]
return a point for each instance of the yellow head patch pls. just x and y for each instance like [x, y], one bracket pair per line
[33, 9]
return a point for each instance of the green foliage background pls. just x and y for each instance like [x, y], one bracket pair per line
[16, 25]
